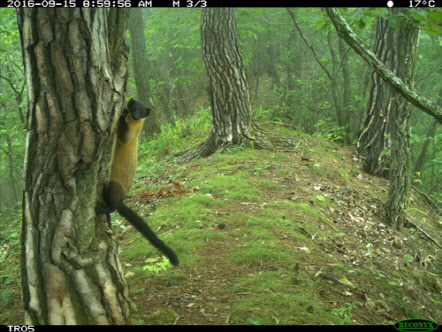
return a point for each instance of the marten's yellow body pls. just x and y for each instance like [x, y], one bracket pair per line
[125, 154]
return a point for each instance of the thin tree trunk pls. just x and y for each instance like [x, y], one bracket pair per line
[419, 163]
[333, 82]
[420, 160]
[12, 182]
[346, 91]
[341, 117]
[70, 266]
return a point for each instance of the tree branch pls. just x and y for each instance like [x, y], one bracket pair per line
[345, 32]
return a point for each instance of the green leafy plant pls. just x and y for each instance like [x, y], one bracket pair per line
[408, 259]
[255, 320]
[345, 312]
[330, 131]
[416, 178]
[156, 265]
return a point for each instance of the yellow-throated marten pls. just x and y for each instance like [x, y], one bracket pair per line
[123, 166]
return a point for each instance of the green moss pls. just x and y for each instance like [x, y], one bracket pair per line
[276, 300]
[236, 187]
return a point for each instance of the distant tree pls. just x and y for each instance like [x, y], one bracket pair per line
[12, 117]
[420, 160]
[232, 122]
[340, 104]
[76, 76]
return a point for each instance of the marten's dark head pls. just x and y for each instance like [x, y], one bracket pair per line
[137, 109]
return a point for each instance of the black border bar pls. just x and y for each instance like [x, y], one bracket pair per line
[218, 3]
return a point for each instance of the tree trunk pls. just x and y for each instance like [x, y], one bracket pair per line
[346, 100]
[420, 160]
[384, 143]
[341, 116]
[70, 266]
[230, 97]
[12, 181]
[405, 52]
[332, 74]
[386, 129]
[373, 143]
[177, 100]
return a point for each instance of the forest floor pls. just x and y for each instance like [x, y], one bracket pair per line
[284, 238]
[278, 238]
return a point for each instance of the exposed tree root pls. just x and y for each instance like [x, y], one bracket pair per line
[256, 138]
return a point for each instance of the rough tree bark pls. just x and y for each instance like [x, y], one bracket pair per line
[405, 52]
[232, 122]
[373, 142]
[76, 74]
